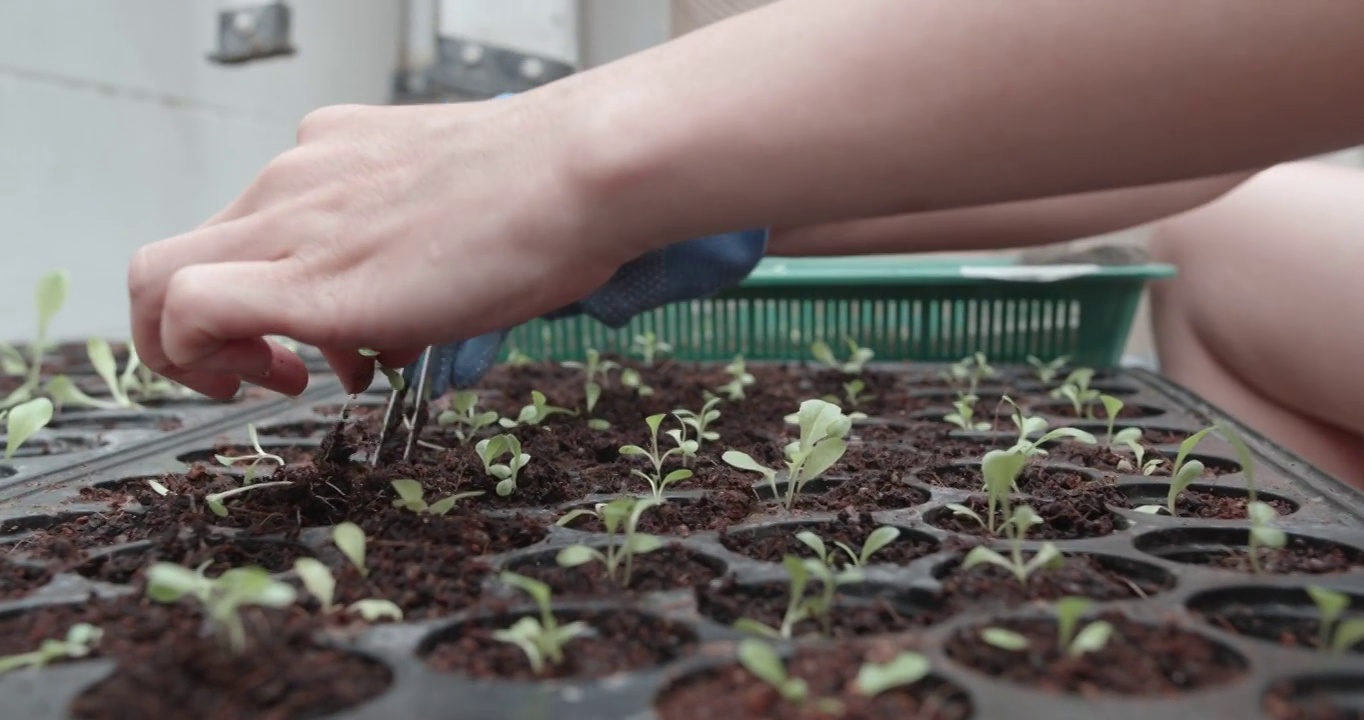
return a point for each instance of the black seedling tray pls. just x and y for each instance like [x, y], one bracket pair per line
[1153, 552]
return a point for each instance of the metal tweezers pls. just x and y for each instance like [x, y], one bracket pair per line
[395, 414]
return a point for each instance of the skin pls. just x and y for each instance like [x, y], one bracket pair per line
[397, 227]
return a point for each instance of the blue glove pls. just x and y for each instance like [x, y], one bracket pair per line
[688, 270]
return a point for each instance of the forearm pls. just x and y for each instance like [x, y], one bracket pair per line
[808, 111]
[1004, 225]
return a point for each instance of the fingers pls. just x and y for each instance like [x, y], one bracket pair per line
[356, 371]
[214, 317]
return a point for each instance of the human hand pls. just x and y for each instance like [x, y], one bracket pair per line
[389, 228]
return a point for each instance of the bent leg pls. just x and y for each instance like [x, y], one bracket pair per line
[1265, 317]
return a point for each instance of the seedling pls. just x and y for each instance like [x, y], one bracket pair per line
[595, 372]
[1129, 438]
[217, 501]
[878, 539]
[648, 347]
[492, 449]
[393, 375]
[630, 378]
[79, 642]
[763, 662]
[221, 598]
[657, 480]
[904, 669]
[48, 297]
[1092, 638]
[1336, 635]
[321, 584]
[700, 422]
[1182, 474]
[542, 639]
[823, 427]
[1029, 426]
[969, 370]
[1000, 469]
[464, 416]
[964, 417]
[1076, 389]
[801, 606]
[23, 421]
[1243, 456]
[350, 540]
[1262, 532]
[858, 356]
[621, 519]
[1016, 527]
[1047, 371]
[411, 497]
[739, 378]
[517, 359]
[538, 411]
[253, 459]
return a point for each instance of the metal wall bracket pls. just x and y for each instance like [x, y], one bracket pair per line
[253, 33]
[470, 70]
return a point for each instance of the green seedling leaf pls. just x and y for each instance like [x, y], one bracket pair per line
[823, 457]
[350, 540]
[409, 494]
[598, 424]
[760, 659]
[24, 421]
[575, 555]
[50, 296]
[538, 591]
[12, 361]
[1330, 603]
[1189, 444]
[1243, 456]
[158, 488]
[1348, 634]
[879, 538]
[641, 543]
[593, 392]
[168, 582]
[373, 610]
[814, 542]
[1187, 474]
[318, 580]
[822, 353]
[982, 555]
[742, 461]
[102, 358]
[1068, 612]
[753, 627]
[963, 511]
[905, 669]
[1092, 639]
[1004, 639]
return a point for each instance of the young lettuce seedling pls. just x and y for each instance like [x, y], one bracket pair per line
[739, 378]
[801, 606]
[1262, 532]
[630, 378]
[1076, 389]
[648, 347]
[350, 540]
[217, 502]
[1183, 473]
[1001, 469]
[1336, 635]
[410, 497]
[823, 427]
[700, 422]
[969, 370]
[538, 411]
[904, 669]
[23, 421]
[1128, 438]
[542, 639]
[877, 540]
[854, 393]
[858, 356]
[1029, 426]
[221, 598]
[595, 373]
[393, 375]
[518, 359]
[464, 416]
[964, 417]
[253, 459]
[491, 449]
[1016, 528]
[763, 662]
[49, 296]
[1047, 371]
[79, 642]
[657, 480]
[1094, 636]
[621, 518]
[321, 584]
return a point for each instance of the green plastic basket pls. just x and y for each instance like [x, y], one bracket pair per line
[902, 308]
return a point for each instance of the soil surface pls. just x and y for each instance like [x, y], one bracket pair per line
[852, 616]
[1299, 557]
[671, 567]
[990, 586]
[731, 691]
[1137, 660]
[772, 545]
[1282, 704]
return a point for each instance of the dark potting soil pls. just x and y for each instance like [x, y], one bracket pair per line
[1077, 516]
[1294, 632]
[1299, 557]
[1036, 479]
[731, 691]
[223, 553]
[671, 567]
[990, 586]
[1138, 660]
[1281, 703]
[621, 641]
[774, 543]
[852, 616]
[17, 580]
[686, 515]
[882, 491]
[1212, 505]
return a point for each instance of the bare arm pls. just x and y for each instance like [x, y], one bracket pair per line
[807, 111]
[1004, 225]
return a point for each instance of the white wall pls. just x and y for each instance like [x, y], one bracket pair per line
[116, 131]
